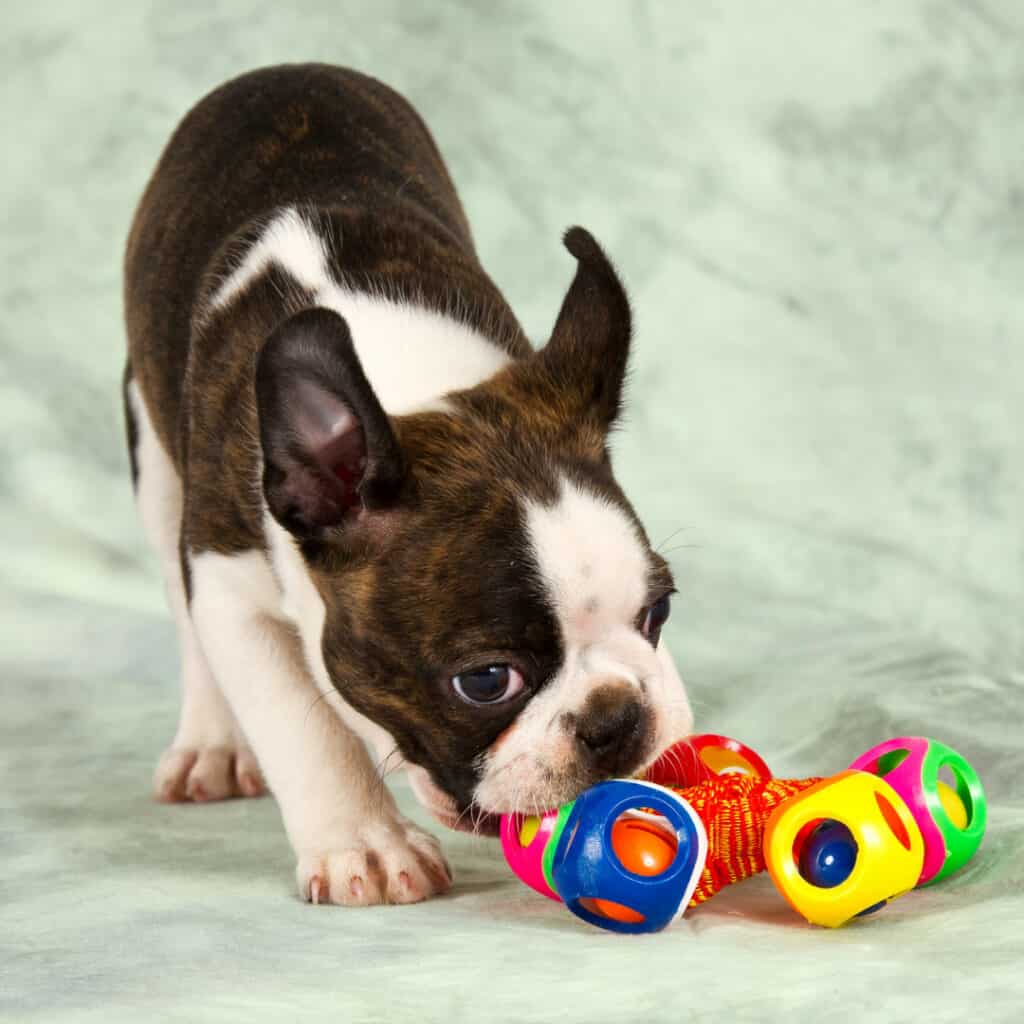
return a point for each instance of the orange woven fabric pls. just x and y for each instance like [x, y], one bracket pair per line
[735, 809]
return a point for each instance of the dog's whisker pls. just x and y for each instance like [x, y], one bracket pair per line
[674, 533]
[382, 768]
[316, 700]
[678, 547]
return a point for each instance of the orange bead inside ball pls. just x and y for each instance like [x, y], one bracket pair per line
[643, 848]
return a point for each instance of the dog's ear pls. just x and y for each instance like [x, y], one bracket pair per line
[585, 359]
[328, 447]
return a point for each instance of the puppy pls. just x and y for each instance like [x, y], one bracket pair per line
[389, 528]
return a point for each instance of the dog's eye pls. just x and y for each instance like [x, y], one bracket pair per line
[656, 617]
[491, 685]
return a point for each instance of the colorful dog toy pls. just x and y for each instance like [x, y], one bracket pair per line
[527, 840]
[632, 855]
[951, 818]
[703, 757]
[843, 847]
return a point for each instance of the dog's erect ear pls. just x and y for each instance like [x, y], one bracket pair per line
[589, 348]
[328, 447]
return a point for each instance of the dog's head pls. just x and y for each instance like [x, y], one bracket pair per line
[490, 598]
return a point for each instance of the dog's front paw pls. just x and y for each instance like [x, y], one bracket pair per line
[382, 861]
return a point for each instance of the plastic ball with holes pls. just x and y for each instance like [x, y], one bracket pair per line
[628, 855]
[525, 840]
[951, 815]
[842, 848]
[696, 758]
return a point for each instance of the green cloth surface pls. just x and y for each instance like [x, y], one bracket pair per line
[819, 210]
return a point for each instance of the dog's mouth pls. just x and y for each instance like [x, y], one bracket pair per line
[443, 807]
[471, 820]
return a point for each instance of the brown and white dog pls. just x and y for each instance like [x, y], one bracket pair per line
[386, 523]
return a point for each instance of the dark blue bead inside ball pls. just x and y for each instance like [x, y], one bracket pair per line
[872, 908]
[828, 855]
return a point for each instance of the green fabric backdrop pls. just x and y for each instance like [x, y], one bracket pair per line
[819, 210]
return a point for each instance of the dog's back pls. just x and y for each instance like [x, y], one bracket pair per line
[313, 136]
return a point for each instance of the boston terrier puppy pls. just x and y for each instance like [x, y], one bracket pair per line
[389, 527]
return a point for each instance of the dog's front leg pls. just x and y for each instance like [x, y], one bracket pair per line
[352, 844]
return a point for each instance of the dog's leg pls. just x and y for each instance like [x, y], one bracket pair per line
[208, 759]
[352, 844]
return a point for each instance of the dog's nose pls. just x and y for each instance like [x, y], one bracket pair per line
[611, 730]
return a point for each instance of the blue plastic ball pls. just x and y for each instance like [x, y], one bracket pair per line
[828, 855]
[587, 871]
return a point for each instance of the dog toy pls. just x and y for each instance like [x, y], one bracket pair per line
[704, 757]
[632, 855]
[952, 819]
[526, 841]
[844, 847]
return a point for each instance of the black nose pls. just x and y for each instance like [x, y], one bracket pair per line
[611, 731]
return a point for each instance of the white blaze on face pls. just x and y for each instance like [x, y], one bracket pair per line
[594, 570]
